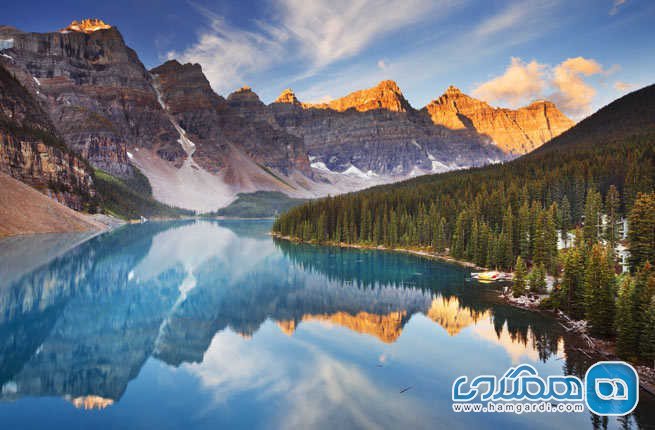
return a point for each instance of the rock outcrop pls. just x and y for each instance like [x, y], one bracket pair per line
[514, 131]
[288, 96]
[31, 152]
[95, 90]
[385, 95]
[86, 26]
[221, 127]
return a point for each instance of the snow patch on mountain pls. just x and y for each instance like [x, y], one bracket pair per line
[319, 165]
[6, 44]
[354, 171]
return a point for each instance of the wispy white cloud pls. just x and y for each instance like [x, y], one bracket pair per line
[524, 20]
[330, 30]
[623, 86]
[616, 5]
[315, 34]
[564, 84]
[507, 19]
[227, 53]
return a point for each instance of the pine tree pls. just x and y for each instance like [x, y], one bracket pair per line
[537, 279]
[550, 240]
[524, 231]
[572, 286]
[346, 227]
[518, 287]
[612, 203]
[647, 338]
[565, 219]
[599, 291]
[385, 226]
[492, 260]
[592, 217]
[505, 255]
[377, 229]
[641, 230]
[483, 243]
[508, 231]
[320, 228]
[365, 226]
[643, 294]
[459, 237]
[440, 236]
[393, 228]
[337, 230]
[534, 231]
[472, 248]
[539, 248]
[626, 334]
[579, 239]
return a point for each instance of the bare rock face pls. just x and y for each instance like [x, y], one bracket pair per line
[386, 95]
[219, 127]
[514, 131]
[379, 133]
[95, 90]
[31, 152]
[87, 26]
[186, 96]
[287, 96]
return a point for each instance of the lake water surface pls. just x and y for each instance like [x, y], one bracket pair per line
[203, 324]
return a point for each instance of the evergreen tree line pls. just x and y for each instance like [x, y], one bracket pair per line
[490, 215]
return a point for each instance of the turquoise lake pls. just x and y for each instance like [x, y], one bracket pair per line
[214, 324]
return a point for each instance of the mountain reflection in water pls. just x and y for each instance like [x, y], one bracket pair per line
[217, 323]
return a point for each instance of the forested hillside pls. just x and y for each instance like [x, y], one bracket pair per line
[493, 214]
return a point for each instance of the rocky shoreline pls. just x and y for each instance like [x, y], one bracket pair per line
[591, 346]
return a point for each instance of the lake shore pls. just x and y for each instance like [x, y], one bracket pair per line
[413, 251]
[590, 346]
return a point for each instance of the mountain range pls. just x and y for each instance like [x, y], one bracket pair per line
[77, 100]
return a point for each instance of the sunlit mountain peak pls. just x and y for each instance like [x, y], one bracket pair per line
[89, 25]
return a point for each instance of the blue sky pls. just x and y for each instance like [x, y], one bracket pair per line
[580, 54]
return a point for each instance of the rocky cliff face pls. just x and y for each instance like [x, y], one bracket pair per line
[95, 90]
[221, 127]
[386, 95]
[31, 152]
[514, 131]
[376, 132]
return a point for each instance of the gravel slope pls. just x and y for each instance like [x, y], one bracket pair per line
[24, 210]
